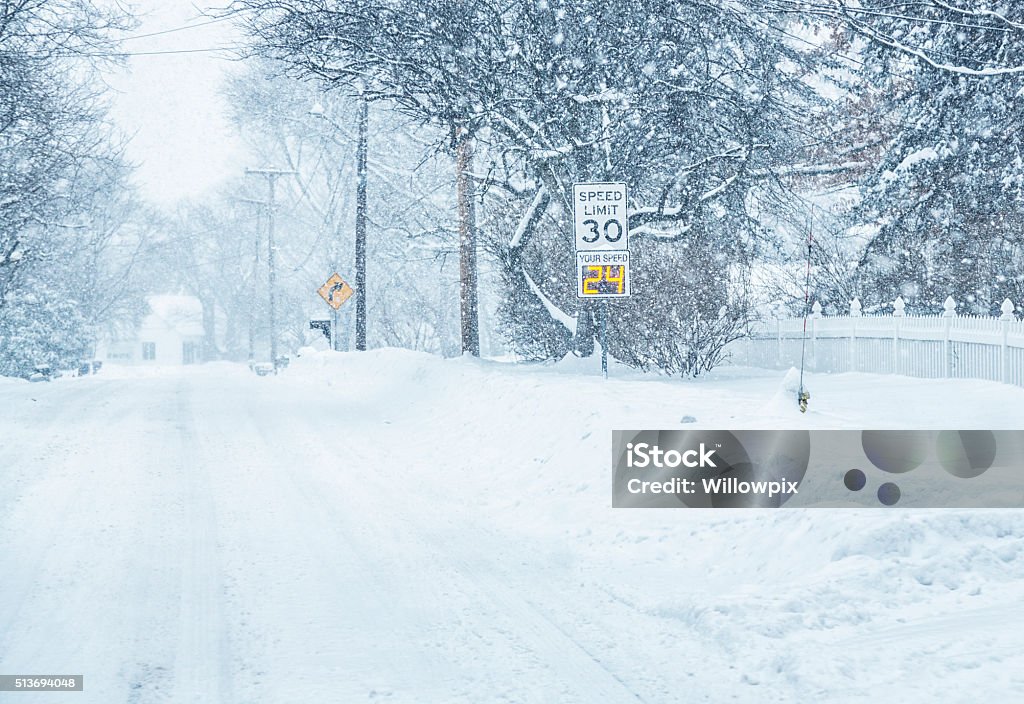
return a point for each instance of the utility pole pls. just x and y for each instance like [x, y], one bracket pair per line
[255, 269]
[271, 175]
[361, 224]
[255, 272]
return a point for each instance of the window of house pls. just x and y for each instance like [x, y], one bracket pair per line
[149, 350]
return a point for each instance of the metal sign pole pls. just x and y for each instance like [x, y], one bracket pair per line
[604, 338]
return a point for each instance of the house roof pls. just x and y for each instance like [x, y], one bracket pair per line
[182, 313]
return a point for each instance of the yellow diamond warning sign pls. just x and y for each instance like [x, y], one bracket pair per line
[335, 291]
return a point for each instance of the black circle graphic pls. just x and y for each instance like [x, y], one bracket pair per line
[889, 494]
[966, 453]
[895, 451]
[855, 480]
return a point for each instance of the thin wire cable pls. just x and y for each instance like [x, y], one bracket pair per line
[119, 54]
[172, 30]
[807, 298]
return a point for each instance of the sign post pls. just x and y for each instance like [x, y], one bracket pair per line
[335, 291]
[601, 229]
[604, 338]
[334, 330]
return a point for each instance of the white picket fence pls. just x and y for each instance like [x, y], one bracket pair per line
[942, 346]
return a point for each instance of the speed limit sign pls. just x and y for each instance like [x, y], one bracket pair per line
[599, 214]
[602, 235]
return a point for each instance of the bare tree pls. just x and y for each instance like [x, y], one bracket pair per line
[55, 151]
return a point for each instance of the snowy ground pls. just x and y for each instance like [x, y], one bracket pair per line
[395, 527]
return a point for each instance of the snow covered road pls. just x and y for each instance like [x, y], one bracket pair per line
[401, 528]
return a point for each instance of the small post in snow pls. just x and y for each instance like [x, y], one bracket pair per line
[815, 317]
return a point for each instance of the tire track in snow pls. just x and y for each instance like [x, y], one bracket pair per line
[952, 627]
[312, 578]
[103, 589]
[200, 672]
[581, 675]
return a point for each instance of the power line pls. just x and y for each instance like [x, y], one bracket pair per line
[120, 54]
[182, 28]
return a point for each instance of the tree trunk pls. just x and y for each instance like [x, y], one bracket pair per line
[467, 245]
[586, 329]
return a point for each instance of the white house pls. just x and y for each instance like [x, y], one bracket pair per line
[171, 334]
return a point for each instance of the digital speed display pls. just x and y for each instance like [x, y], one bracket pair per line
[602, 274]
[603, 280]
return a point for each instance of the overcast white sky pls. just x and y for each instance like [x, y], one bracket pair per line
[182, 140]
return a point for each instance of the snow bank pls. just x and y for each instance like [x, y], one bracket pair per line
[389, 522]
[424, 529]
[527, 447]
